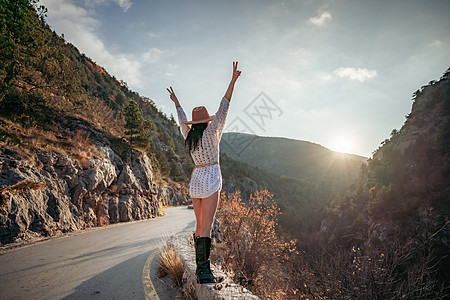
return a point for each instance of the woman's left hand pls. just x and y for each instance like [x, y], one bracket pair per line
[236, 72]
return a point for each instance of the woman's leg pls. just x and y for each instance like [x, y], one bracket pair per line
[203, 242]
[209, 207]
[197, 203]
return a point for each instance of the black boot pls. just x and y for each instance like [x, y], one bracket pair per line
[202, 252]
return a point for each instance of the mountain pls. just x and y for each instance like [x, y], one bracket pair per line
[397, 215]
[77, 147]
[407, 180]
[300, 201]
[293, 158]
[303, 177]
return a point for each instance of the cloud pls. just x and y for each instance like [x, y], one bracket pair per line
[124, 4]
[79, 28]
[324, 76]
[355, 73]
[153, 55]
[302, 56]
[437, 44]
[322, 19]
[153, 35]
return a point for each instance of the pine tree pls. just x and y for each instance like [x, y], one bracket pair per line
[137, 127]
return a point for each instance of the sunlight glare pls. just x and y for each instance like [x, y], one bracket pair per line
[343, 144]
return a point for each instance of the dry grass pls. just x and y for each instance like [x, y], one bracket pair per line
[170, 264]
[25, 140]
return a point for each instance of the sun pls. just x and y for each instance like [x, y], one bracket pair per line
[343, 144]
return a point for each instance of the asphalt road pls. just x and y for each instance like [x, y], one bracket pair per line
[105, 263]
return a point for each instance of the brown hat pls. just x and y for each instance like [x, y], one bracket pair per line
[200, 115]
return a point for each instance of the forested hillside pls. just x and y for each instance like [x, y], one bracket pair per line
[78, 148]
[46, 83]
[302, 203]
[304, 177]
[390, 233]
[298, 159]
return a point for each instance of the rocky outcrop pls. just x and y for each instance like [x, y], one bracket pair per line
[55, 193]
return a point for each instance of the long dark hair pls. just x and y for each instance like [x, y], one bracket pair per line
[194, 136]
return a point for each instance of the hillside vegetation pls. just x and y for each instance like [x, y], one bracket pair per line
[302, 203]
[304, 177]
[78, 148]
[47, 87]
[390, 233]
[402, 199]
[303, 160]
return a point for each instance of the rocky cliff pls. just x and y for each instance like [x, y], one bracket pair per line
[55, 193]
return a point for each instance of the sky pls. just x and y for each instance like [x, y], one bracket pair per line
[339, 73]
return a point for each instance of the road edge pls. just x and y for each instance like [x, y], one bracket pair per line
[149, 288]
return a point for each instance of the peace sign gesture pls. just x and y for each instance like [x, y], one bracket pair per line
[173, 97]
[236, 72]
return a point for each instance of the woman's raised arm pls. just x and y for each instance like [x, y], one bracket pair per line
[180, 112]
[236, 74]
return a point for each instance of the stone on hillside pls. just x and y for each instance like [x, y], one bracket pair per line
[137, 208]
[45, 158]
[62, 161]
[142, 170]
[125, 210]
[111, 156]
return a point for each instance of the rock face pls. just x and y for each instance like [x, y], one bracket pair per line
[56, 194]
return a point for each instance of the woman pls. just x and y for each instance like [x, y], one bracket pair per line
[202, 136]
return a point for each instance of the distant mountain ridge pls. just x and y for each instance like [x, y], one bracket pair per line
[304, 177]
[294, 158]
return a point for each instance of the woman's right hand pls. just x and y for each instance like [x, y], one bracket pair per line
[173, 97]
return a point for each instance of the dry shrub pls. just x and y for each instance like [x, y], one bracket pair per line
[6, 191]
[171, 264]
[24, 184]
[101, 117]
[39, 138]
[79, 144]
[392, 270]
[79, 139]
[253, 251]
